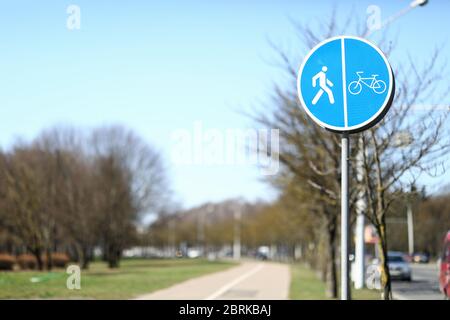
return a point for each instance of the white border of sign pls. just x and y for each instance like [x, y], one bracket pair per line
[366, 124]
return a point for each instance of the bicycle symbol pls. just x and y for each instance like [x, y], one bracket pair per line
[378, 86]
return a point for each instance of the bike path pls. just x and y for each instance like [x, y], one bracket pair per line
[248, 281]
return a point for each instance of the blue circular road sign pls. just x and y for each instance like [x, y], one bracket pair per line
[346, 84]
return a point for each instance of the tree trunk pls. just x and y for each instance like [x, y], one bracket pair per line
[385, 274]
[105, 252]
[85, 257]
[38, 255]
[381, 225]
[113, 257]
[324, 271]
[49, 260]
[113, 263]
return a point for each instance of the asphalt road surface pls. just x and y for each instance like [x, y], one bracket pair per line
[249, 281]
[424, 284]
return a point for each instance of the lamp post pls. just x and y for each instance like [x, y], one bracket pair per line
[237, 232]
[172, 237]
[359, 271]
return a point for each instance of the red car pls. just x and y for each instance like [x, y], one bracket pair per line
[444, 276]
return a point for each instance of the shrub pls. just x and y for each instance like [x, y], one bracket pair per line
[60, 260]
[27, 261]
[7, 261]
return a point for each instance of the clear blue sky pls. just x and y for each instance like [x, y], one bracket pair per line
[158, 66]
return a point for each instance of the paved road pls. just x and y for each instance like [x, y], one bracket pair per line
[424, 284]
[249, 280]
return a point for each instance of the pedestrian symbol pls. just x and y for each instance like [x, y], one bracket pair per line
[345, 84]
[323, 84]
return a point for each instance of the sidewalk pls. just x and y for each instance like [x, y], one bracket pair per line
[250, 280]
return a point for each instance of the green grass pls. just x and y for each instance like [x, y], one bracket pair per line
[134, 277]
[305, 285]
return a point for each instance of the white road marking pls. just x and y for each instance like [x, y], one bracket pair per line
[235, 282]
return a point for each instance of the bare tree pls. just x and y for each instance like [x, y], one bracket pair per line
[310, 155]
[26, 213]
[130, 181]
[411, 140]
[67, 189]
[431, 223]
[73, 179]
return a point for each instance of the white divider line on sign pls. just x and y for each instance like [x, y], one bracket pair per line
[344, 82]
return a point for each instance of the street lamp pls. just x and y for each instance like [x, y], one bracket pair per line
[414, 4]
[418, 3]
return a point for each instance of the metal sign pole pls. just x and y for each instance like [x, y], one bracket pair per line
[360, 268]
[345, 287]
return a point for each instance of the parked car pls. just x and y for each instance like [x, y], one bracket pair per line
[420, 257]
[398, 266]
[444, 273]
[193, 253]
[263, 253]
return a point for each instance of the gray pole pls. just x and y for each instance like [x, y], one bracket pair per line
[172, 240]
[201, 232]
[410, 228]
[237, 233]
[345, 288]
[359, 230]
